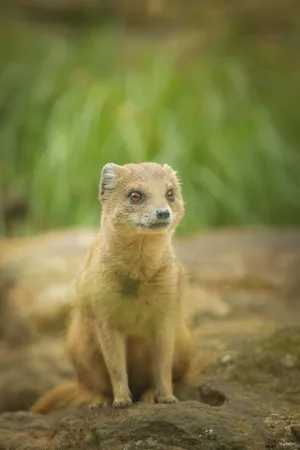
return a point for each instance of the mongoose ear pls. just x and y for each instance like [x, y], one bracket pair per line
[109, 177]
[169, 168]
[173, 174]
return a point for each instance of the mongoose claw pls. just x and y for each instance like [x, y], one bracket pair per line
[122, 402]
[167, 400]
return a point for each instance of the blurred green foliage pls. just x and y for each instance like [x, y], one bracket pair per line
[69, 103]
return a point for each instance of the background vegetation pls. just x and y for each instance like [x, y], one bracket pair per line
[218, 100]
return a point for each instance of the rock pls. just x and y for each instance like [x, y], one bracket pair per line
[288, 445]
[205, 302]
[289, 361]
[187, 425]
[27, 372]
[281, 431]
[296, 431]
[262, 363]
[44, 268]
[14, 328]
[260, 258]
[227, 359]
[243, 390]
[229, 270]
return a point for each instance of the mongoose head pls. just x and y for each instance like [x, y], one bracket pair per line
[144, 198]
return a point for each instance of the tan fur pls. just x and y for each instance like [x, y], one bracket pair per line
[128, 339]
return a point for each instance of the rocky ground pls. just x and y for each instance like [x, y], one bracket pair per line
[244, 309]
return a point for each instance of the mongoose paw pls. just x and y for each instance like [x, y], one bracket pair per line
[166, 399]
[122, 402]
[149, 396]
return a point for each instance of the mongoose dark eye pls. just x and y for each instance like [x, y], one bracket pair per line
[135, 197]
[171, 195]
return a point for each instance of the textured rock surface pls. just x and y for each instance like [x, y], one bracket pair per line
[244, 309]
[189, 425]
[231, 272]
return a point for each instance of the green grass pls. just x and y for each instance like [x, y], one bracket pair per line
[68, 105]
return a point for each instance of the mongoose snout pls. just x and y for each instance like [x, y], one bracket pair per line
[162, 213]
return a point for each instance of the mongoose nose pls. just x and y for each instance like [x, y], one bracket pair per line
[162, 213]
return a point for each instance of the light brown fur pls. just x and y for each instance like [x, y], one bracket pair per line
[128, 339]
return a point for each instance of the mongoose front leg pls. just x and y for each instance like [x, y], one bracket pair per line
[165, 351]
[114, 352]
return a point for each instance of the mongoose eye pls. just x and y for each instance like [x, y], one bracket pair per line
[135, 197]
[171, 195]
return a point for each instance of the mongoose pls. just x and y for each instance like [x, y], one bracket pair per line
[128, 339]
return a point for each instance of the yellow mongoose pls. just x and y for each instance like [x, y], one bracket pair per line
[128, 339]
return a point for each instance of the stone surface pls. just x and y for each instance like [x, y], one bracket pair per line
[296, 431]
[189, 425]
[244, 308]
[231, 272]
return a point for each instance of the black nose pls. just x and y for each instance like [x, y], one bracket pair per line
[162, 213]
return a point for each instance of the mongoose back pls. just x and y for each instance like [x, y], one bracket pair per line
[127, 339]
